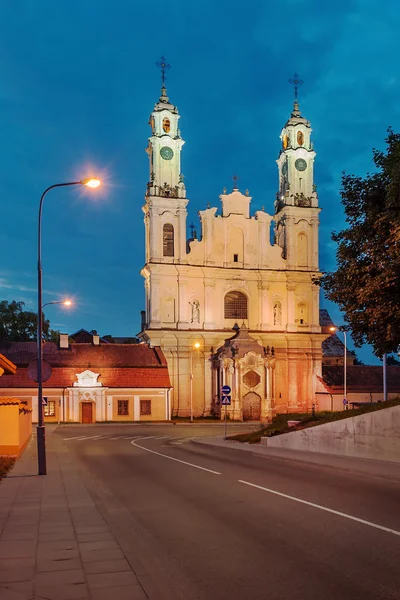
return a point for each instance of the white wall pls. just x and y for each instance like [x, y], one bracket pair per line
[374, 435]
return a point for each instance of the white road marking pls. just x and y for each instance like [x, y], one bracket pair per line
[78, 437]
[330, 510]
[171, 457]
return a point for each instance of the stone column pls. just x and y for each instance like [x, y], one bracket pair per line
[265, 311]
[183, 308]
[209, 287]
[291, 307]
[314, 243]
[208, 385]
[155, 316]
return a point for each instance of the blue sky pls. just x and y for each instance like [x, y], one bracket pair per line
[78, 82]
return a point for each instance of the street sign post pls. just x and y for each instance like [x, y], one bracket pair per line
[225, 401]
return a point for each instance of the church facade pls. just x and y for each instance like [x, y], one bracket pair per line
[231, 308]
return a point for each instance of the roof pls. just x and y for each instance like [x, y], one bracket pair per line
[360, 378]
[8, 401]
[83, 336]
[242, 343]
[119, 365]
[8, 367]
[333, 345]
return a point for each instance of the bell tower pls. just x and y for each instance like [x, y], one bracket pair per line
[165, 206]
[296, 205]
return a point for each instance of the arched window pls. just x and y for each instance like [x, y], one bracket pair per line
[235, 305]
[168, 240]
[166, 125]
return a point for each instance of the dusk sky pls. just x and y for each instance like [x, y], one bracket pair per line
[77, 84]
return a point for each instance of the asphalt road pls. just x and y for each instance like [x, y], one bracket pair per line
[216, 523]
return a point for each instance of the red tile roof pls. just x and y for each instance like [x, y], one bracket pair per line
[360, 378]
[119, 365]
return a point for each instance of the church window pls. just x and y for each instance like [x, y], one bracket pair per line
[123, 408]
[168, 240]
[251, 379]
[235, 305]
[300, 138]
[145, 407]
[236, 258]
[166, 125]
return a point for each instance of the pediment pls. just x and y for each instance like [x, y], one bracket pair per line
[87, 379]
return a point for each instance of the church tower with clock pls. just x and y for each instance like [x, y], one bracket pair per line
[232, 308]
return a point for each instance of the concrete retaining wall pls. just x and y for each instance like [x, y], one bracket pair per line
[372, 435]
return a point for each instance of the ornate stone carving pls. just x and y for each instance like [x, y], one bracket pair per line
[195, 305]
[87, 379]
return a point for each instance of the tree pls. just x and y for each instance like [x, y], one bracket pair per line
[392, 361]
[366, 284]
[19, 325]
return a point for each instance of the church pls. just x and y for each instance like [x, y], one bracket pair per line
[231, 308]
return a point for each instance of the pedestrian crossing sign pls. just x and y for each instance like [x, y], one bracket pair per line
[226, 400]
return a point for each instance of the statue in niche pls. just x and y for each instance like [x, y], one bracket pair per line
[277, 314]
[195, 311]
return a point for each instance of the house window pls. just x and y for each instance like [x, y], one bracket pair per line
[50, 409]
[168, 240]
[123, 408]
[145, 407]
[236, 258]
[235, 306]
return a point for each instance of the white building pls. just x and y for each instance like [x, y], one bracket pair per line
[198, 290]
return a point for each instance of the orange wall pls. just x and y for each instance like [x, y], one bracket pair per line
[15, 428]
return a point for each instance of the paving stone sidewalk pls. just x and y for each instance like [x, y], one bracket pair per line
[54, 540]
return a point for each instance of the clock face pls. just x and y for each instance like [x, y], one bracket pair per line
[300, 164]
[166, 153]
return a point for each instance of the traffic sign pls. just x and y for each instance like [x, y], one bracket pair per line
[226, 389]
[226, 400]
[345, 401]
[44, 400]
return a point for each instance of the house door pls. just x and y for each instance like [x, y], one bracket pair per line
[251, 407]
[87, 412]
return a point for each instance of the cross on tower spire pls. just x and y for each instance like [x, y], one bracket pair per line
[163, 66]
[296, 82]
[235, 180]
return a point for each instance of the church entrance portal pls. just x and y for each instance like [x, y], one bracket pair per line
[251, 407]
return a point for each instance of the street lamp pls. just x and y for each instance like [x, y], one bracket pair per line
[333, 329]
[41, 441]
[65, 302]
[196, 346]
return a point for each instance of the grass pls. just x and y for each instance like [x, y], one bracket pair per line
[6, 464]
[279, 423]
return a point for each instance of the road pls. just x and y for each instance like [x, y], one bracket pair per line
[215, 523]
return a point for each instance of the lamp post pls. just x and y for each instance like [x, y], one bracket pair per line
[333, 329]
[65, 302]
[41, 441]
[196, 347]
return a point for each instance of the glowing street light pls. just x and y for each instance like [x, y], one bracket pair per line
[64, 302]
[334, 329]
[41, 440]
[91, 183]
[196, 346]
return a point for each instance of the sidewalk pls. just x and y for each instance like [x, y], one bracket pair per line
[58, 541]
[373, 468]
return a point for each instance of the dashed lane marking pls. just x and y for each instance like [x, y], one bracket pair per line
[183, 462]
[324, 508]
